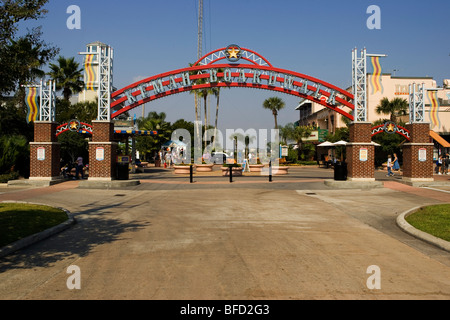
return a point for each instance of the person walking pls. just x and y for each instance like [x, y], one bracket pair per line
[446, 164]
[442, 171]
[168, 158]
[395, 165]
[439, 164]
[389, 166]
[79, 168]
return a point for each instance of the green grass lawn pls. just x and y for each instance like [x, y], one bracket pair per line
[434, 220]
[19, 220]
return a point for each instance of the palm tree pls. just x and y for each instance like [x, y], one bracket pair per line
[247, 140]
[153, 122]
[216, 92]
[197, 110]
[204, 93]
[285, 132]
[395, 108]
[274, 104]
[156, 122]
[67, 74]
[298, 133]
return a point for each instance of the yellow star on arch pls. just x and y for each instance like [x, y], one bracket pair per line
[390, 127]
[73, 125]
[233, 53]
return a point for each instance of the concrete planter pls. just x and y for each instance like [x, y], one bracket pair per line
[256, 167]
[204, 167]
[237, 171]
[181, 169]
[280, 170]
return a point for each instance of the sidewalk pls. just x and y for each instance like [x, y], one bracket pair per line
[290, 239]
[23, 193]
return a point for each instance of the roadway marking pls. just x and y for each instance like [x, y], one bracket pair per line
[436, 189]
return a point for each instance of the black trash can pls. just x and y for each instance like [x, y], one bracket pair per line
[340, 171]
[123, 172]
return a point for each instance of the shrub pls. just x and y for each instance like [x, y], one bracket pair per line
[14, 154]
[4, 178]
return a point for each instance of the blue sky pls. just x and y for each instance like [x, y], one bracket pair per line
[310, 37]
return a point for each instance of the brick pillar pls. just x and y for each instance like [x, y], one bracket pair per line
[418, 154]
[45, 152]
[102, 152]
[360, 153]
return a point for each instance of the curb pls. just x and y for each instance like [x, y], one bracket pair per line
[348, 184]
[25, 242]
[405, 226]
[34, 183]
[98, 184]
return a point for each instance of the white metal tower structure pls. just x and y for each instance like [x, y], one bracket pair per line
[359, 83]
[47, 101]
[417, 94]
[103, 82]
[416, 103]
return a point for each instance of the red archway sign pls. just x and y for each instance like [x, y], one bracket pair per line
[232, 67]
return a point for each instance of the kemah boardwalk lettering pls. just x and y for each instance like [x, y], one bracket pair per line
[212, 72]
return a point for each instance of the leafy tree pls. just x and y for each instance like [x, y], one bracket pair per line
[29, 55]
[339, 134]
[285, 132]
[156, 121]
[183, 124]
[67, 74]
[13, 123]
[14, 11]
[73, 145]
[82, 111]
[15, 133]
[390, 143]
[21, 61]
[298, 133]
[14, 154]
[148, 146]
[274, 104]
[342, 133]
[21, 57]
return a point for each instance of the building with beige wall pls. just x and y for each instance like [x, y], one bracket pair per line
[392, 87]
